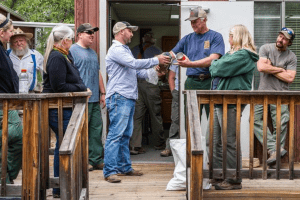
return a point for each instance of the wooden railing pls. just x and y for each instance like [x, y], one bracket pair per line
[195, 172]
[36, 142]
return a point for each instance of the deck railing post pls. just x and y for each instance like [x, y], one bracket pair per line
[4, 147]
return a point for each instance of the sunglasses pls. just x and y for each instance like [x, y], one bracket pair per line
[89, 32]
[289, 32]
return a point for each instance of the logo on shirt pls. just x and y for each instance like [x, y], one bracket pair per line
[206, 44]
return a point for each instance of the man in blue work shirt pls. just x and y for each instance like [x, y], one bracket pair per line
[123, 70]
[201, 47]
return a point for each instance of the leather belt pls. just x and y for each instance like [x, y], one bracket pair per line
[200, 76]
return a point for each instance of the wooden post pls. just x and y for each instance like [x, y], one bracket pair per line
[85, 152]
[238, 142]
[224, 136]
[251, 137]
[4, 148]
[292, 138]
[278, 133]
[197, 176]
[211, 137]
[265, 124]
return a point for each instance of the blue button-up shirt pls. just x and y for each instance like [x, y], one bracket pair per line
[123, 70]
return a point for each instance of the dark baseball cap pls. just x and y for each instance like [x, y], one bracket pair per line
[86, 27]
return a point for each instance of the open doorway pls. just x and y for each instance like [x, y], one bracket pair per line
[163, 20]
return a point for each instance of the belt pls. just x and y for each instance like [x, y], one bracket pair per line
[200, 76]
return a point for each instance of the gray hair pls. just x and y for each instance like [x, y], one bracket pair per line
[58, 33]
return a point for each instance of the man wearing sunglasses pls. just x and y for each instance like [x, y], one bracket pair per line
[277, 66]
[86, 60]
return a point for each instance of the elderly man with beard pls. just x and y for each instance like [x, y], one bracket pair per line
[25, 58]
[277, 66]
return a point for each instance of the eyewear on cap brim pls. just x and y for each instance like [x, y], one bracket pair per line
[289, 32]
[89, 32]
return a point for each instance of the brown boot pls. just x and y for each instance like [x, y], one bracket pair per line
[166, 153]
[113, 179]
[132, 173]
[140, 150]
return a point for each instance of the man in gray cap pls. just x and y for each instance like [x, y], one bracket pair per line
[123, 70]
[200, 47]
[277, 66]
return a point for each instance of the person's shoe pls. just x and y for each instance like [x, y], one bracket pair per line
[96, 167]
[91, 168]
[214, 182]
[166, 153]
[56, 195]
[140, 150]
[113, 179]
[133, 151]
[132, 173]
[272, 159]
[228, 186]
[160, 147]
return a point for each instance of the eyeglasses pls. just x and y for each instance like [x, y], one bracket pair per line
[289, 32]
[89, 32]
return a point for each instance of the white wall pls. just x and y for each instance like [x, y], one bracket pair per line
[222, 16]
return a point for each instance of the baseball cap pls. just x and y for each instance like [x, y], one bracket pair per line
[288, 33]
[196, 13]
[86, 27]
[122, 25]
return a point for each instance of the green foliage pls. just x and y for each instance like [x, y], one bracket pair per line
[52, 11]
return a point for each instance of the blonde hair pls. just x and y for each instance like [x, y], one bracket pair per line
[242, 39]
[58, 33]
[6, 26]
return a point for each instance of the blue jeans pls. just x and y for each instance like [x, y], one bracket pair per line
[116, 153]
[53, 123]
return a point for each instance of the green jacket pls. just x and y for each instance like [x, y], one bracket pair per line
[234, 70]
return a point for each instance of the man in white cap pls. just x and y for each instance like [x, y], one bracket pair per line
[200, 47]
[25, 58]
[277, 66]
[123, 70]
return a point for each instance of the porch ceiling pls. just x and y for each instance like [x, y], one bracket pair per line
[147, 14]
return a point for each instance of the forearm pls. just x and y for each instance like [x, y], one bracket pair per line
[101, 84]
[287, 76]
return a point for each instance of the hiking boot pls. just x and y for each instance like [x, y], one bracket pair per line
[166, 153]
[214, 182]
[96, 167]
[160, 147]
[132, 173]
[228, 186]
[140, 150]
[113, 179]
[272, 159]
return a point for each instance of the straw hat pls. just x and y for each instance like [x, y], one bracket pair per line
[18, 32]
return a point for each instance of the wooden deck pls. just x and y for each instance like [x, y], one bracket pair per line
[152, 186]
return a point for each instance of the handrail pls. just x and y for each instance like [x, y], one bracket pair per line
[74, 128]
[240, 98]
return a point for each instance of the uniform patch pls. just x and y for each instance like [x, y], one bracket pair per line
[206, 44]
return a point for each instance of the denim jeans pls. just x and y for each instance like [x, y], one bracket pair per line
[117, 156]
[53, 123]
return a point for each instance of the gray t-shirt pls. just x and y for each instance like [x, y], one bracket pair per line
[285, 59]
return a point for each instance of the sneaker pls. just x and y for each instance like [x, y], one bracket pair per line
[132, 173]
[166, 153]
[228, 186]
[113, 179]
[140, 150]
[160, 147]
[133, 151]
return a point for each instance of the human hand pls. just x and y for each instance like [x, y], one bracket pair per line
[184, 63]
[164, 60]
[102, 101]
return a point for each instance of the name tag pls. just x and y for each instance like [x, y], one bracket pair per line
[206, 44]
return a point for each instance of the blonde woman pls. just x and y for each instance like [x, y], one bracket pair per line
[60, 76]
[9, 83]
[234, 71]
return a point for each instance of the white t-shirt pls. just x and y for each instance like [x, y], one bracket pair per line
[27, 63]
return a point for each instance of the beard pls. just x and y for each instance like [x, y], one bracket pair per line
[21, 52]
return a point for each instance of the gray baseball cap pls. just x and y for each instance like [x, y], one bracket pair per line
[196, 13]
[122, 25]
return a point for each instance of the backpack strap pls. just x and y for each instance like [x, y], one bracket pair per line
[34, 71]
